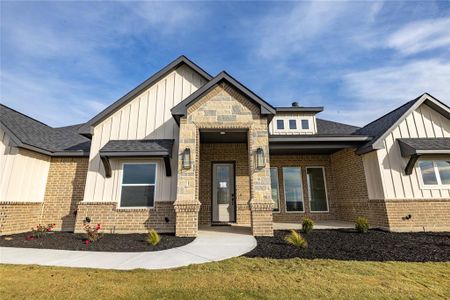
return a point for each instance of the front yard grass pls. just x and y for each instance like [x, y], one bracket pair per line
[233, 279]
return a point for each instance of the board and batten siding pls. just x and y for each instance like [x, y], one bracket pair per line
[293, 116]
[147, 116]
[424, 122]
[23, 173]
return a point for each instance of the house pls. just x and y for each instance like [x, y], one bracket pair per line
[185, 149]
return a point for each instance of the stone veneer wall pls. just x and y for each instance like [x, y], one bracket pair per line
[225, 152]
[223, 107]
[352, 199]
[303, 161]
[127, 220]
[64, 190]
[16, 217]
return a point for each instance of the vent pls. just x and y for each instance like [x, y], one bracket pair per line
[295, 104]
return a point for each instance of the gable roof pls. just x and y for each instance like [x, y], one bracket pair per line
[28, 133]
[86, 129]
[382, 126]
[180, 109]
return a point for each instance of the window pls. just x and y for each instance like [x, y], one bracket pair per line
[317, 189]
[292, 124]
[138, 185]
[435, 172]
[305, 124]
[275, 190]
[280, 124]
[293, 190]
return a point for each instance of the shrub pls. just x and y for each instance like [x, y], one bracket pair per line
[307, 225]
[153, 237]
[296, 239]
[362, 224]
[92, 233]
[41, 230]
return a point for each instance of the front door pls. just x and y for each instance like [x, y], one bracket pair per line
[223, 206]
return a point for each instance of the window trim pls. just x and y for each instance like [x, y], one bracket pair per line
[309, 190]
[284, 192]
[307, 122]
[278, 187]
[282, 122]
[439, 184]
[119, 202]
[295, 124]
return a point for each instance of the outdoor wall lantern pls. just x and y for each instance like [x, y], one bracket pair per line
[186, 159]
[260, 159]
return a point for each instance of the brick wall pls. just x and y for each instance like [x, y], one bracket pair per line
[127, 220]
[237, 153]
[16, 217]
[351, 197]
[303, 161]
[65, 189]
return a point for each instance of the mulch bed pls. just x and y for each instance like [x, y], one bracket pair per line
[376, 245]
[109, 242]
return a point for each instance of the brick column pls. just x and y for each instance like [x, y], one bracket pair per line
[187, 205]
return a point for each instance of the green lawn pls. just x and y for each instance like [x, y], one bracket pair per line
[233, 279]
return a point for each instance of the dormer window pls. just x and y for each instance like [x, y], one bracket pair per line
[292, 124]
[280, 124]
[305, 124]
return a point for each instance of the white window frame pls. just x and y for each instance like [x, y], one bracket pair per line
[278, 187]
[276, 124]
[439, 184]
[295, 123]
[307, 122]
[309, 189]
[284, 192]
[119, 204]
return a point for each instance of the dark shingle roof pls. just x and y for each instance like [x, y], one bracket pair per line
[424, 145]
[117, 147]
[31, 132]
[383, 125]
[334, 128]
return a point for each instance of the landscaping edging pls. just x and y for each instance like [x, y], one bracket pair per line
[109, 242]
[376, 245]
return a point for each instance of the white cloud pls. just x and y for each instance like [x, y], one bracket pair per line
[379, 90]
[421, 36]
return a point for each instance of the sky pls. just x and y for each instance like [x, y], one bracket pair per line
[62, 62]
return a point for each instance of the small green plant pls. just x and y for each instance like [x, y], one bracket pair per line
[40, 231]
[153, 237]
[92, 233]
[296, 239]
[362, 224]
[307, 225]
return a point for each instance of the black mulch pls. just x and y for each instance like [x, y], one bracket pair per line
[376, 245]
[109, 242]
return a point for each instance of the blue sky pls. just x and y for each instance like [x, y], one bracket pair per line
[62, 62]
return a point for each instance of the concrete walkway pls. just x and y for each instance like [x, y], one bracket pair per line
[212, 244]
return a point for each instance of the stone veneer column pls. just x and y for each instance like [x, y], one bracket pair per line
[261, 203]
[187, 205]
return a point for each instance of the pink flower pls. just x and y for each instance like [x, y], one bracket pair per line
[98, 226]
[86, 242]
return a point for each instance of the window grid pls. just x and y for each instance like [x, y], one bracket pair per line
[436, 174]
[138, 184]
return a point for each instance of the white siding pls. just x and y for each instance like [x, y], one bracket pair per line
[23, 174]
[293, 116]
[147, 116]
[423, 122]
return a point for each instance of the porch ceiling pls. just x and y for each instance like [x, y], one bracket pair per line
[223, 136]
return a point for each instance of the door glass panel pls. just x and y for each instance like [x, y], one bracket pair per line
[274, 185]
[317, 191]
[223, 184]
[427, 170]
[444, 170]
[293, 191]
